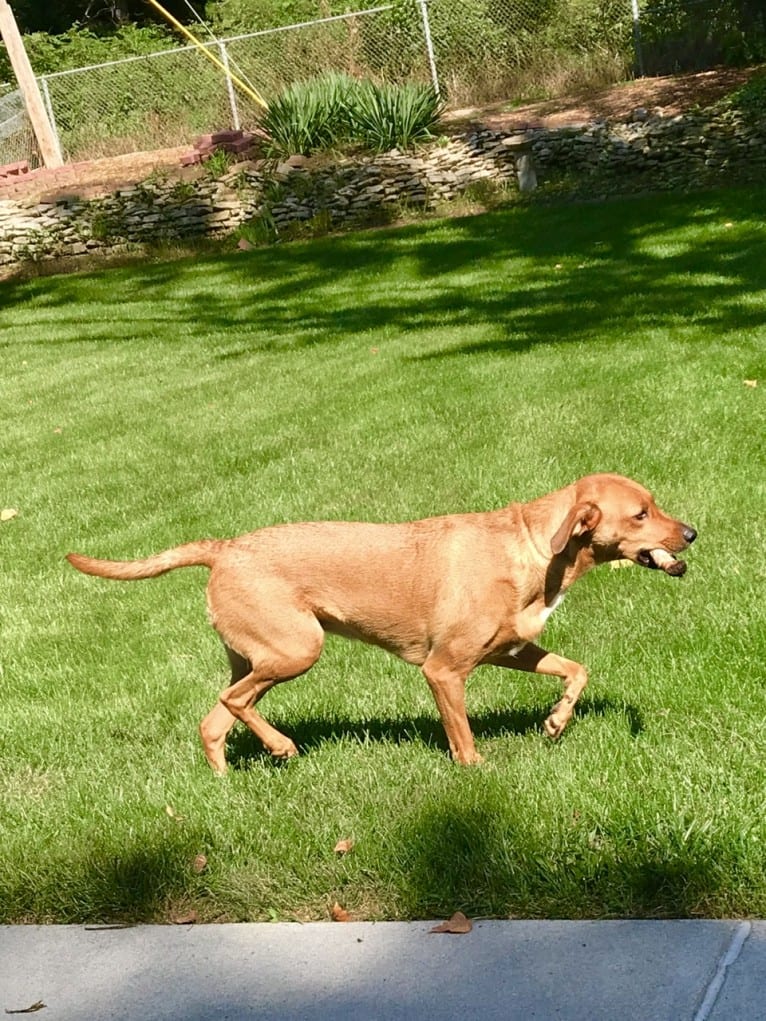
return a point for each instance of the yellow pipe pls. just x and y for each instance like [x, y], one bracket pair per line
[206, 52]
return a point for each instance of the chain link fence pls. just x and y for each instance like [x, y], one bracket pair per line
[474, 51]
[528, 49]
[137, 104]
[170, 97]
[17, 140]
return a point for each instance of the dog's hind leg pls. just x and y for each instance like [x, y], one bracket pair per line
[219, 721]
[289, 651]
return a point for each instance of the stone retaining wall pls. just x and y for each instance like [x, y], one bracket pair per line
[596, 159]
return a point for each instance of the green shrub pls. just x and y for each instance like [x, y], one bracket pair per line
[82, 47]
[218, 163]
[750, 98]
[235, 16]
[691, 35]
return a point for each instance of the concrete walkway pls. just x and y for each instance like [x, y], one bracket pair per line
[579, 971]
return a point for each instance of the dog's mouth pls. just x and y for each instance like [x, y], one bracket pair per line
[660, 559]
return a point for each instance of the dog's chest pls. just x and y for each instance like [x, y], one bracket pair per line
[546, 611]
[532, 620]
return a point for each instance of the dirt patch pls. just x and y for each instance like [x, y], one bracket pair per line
[91, 178]
[669, 95]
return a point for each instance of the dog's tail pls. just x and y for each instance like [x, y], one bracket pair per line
[192, 554]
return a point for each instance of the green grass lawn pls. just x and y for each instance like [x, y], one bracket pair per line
[437, 368]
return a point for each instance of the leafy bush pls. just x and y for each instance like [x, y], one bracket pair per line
[690, 35]
[235, 16]
[335, 110]
[81, 47]
[750, 98]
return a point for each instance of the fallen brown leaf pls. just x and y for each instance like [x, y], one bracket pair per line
[343, 846]
[339, 914]
[170, 811]
[200, 863]
[187, 919]
[27, 1010]
[458, 924]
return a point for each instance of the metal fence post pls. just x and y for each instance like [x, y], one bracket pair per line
[45, 92]
[637, 38]
[230, 87]
[423, 4]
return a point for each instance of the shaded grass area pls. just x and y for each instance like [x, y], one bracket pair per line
[387, 375]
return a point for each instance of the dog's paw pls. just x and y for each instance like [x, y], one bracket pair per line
[217, 762]
[284, 750]
[472, 759]
[554, 727]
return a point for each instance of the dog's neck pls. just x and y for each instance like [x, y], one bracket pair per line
[563, 569]
[539, 541]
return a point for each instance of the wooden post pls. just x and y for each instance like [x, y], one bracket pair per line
[30, 91]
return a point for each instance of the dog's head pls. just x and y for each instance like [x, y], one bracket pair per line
[618, 519]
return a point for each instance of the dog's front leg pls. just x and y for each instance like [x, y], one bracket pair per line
[535, 660]
[447, 684]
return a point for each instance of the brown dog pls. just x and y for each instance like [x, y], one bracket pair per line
[446, 594]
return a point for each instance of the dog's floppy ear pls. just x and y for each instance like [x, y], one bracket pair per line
[582, 518]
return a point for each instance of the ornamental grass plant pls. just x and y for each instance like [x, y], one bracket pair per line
[335, 111]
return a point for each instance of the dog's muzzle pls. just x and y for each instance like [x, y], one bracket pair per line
[665, 561]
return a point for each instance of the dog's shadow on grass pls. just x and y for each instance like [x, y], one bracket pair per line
[243, 747]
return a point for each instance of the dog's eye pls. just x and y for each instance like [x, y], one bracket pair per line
[641, 515]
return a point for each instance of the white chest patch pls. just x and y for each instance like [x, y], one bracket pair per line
[548, 610]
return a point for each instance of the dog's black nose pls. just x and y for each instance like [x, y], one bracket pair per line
[690, 534]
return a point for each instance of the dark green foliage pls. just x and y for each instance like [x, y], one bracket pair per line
[690, 35]
[45, 16]
[81, 47]
[750, 98]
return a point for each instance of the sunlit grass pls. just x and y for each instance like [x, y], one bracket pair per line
[383, 376]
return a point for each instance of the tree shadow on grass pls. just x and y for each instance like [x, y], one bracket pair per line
[597, 268]
[490, 862]
[243, 747]
[111, 884]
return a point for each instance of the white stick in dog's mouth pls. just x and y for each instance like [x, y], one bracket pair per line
[666, 562]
